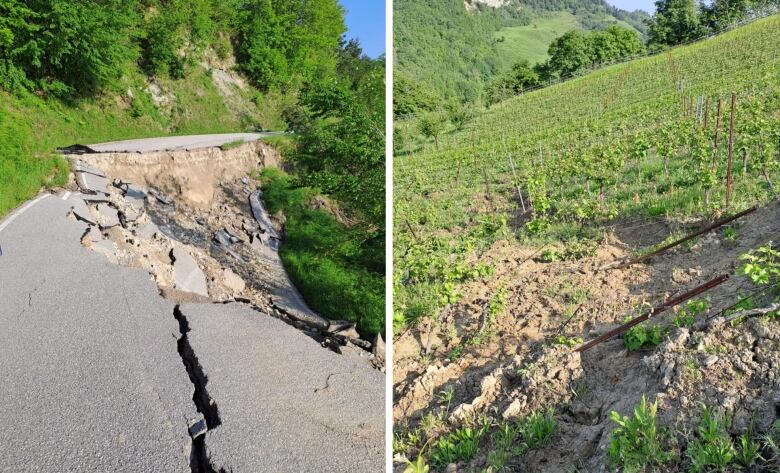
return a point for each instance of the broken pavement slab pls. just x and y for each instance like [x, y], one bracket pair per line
[107, 216]
[81, 210]
[91, 183]
[187, 275]
[284, 403]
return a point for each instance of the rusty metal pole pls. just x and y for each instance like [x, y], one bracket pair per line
[655, 311]
[731, 149]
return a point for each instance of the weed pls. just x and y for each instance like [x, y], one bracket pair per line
[446, 396]
[713, 447]
[570, 342]
[580, 389]
[730, 234]
[460, 445]
[747, 450]
[762, 265]
[417, 466]
[636, 443]
[538, 428]
[642, 336]
[456, 353]
[686, 316]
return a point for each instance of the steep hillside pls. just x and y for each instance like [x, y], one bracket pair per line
[455, 46]
[509, 249]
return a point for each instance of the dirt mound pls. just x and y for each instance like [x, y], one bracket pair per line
[529, 363]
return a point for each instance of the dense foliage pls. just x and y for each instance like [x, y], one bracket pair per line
[64, 48]
[444, 46]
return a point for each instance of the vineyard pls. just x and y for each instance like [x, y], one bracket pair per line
[504, 227]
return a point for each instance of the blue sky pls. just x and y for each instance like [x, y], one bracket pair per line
[631, 5]
[366, 22]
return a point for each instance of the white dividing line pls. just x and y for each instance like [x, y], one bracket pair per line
[66, 195]
[22, 210]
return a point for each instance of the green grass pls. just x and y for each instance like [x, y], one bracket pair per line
[32, 127]
[338, 274]
[531, 42]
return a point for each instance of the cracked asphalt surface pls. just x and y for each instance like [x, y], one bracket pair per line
[93, 381]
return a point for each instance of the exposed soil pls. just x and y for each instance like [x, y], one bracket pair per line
[197, 203]
[520, 368]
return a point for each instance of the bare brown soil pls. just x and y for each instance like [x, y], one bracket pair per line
[520, 367]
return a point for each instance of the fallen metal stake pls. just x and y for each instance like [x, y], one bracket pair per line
[655, 311]
[715, 225]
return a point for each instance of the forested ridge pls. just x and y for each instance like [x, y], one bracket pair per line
[452, 50]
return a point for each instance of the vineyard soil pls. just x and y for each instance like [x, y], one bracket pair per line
[579, 300]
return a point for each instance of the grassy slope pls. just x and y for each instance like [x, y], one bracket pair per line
[32, 127]
[445, 202]
[335, 273]
[531, 42]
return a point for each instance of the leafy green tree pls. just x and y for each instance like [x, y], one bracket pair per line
[614, 43]
[410, 97]
[431, 125]
[674, 22]
[283, 40]
[520, 77]
[342, 151]
[570, 53]
[65, 48]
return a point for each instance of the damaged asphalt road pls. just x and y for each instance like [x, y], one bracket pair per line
[101, 373]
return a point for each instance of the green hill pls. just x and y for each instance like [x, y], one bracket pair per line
[455, 50]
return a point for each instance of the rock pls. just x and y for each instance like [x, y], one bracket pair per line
[223, 238]
[95, 235]
[452, 468]
[710, 360]
[232, 281]
[187, 276]
[135, 195]
[147, 231]
[344, 328]
[245, 180]
[379, 346]
[162, 198]
[107, 216]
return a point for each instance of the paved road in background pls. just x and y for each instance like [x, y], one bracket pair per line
[171, 143]
[94, 376]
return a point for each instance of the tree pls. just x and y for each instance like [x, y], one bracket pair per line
[520, 77]
[570, 53]
[674, 22]
[410, 97]
[342, 151]
[431, 125]
[65, 48]
[282, 40]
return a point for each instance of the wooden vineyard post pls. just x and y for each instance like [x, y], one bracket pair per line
[487, 188]
[414, 234]
[731, 149]
[706, 112]
[717, 121]
[517, 182]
